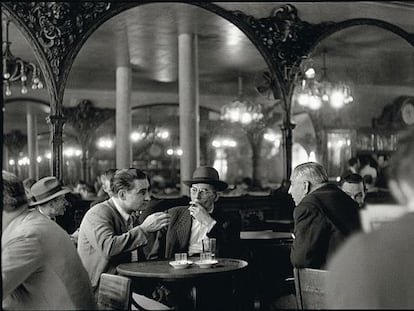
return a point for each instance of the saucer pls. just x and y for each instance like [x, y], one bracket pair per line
[206, 263]
[180, 264]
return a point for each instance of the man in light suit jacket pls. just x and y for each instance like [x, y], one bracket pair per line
[41, 269]
[108, 234]
[375, 270]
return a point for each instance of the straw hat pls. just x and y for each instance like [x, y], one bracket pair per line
[46, 189]
[206, 175]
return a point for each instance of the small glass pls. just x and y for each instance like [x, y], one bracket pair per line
[209, 246]
[206, 256]
[181, 258]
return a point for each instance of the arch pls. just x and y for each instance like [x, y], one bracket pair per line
[361, 22]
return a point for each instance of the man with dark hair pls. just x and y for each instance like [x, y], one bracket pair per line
[40, 267]
[105, 192]
[353, 167]
[354, 186]
[109, 234]
[323, 218]
[374, 270]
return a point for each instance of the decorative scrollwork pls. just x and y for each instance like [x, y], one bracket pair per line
[286, 37]
[57, 25]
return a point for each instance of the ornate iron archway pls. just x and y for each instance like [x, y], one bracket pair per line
[58, 30]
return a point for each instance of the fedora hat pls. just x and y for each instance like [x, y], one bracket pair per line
[46, 189]
[206, 175]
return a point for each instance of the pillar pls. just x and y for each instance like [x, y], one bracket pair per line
[32, 144]
[188, 106]
[123, 117]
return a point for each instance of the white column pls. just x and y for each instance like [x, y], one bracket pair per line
[32, 144]
[188, 106]
[123, 117]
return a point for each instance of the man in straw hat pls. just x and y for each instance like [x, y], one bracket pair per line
[48, 196]
[41, 269]
[191, 224]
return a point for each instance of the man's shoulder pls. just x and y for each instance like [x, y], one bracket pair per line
[102, 209]
[177, 209]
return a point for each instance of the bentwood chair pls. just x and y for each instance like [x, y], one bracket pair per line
[310, 288]
[114, 293]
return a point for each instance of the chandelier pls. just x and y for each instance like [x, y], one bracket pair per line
[312, 93]
[240, 109]
[16, 69]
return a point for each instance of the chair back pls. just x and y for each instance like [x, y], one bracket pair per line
[114, 292]
[310, 288]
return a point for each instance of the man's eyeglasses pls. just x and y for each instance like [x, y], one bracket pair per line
[202, 192]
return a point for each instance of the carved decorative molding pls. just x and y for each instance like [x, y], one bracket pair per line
[286, 37]
[58, 25]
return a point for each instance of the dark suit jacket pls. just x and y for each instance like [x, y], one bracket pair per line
[323, 220]
[176, 238]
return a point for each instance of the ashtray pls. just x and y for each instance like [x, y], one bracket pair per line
[180, 264]
[206, 263]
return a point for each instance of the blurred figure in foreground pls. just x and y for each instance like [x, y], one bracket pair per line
[354, 186]
[374, 270]
[324, 216]
[40, 267]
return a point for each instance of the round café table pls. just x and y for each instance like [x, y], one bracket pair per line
[200, 281]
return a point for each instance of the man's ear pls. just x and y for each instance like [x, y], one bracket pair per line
[398, 191]
[217, 197]
[122, 194]
[306, 187]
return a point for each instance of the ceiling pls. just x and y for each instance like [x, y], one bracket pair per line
[378, 64]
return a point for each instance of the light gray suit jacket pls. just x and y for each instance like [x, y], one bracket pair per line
[41, 269]
[104, 240]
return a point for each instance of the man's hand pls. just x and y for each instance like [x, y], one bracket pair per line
[200, 213]
[155, 222]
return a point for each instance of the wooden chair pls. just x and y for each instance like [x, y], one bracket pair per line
[310, 288]
[114, 293]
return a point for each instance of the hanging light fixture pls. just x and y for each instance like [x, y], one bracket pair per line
[16, 69]
[240, 109]
[313, 93]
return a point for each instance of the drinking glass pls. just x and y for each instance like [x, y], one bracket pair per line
[209, 246]
[206, 256]
[181, 257]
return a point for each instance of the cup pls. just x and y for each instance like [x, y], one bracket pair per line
[209, 246]
[181, 257]
[206, 256]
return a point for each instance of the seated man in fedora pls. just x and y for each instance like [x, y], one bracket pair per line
[48, 196]
[189, 225]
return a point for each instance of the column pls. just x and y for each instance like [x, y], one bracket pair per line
[32, 144]
[123, 150]
[123, 117]
[188, 106]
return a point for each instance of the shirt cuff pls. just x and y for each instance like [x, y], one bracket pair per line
[213, 223]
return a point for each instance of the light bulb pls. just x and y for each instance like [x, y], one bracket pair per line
[6, 75]
[24, 90]
[8, 91]
[23, 78]
[40, 85]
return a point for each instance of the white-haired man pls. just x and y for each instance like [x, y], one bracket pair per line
[323, 218]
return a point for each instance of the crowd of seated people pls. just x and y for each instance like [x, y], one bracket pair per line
[126, 224]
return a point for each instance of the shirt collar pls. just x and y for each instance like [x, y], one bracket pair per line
[124, 214]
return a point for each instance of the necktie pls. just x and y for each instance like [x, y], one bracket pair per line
[134, 253]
